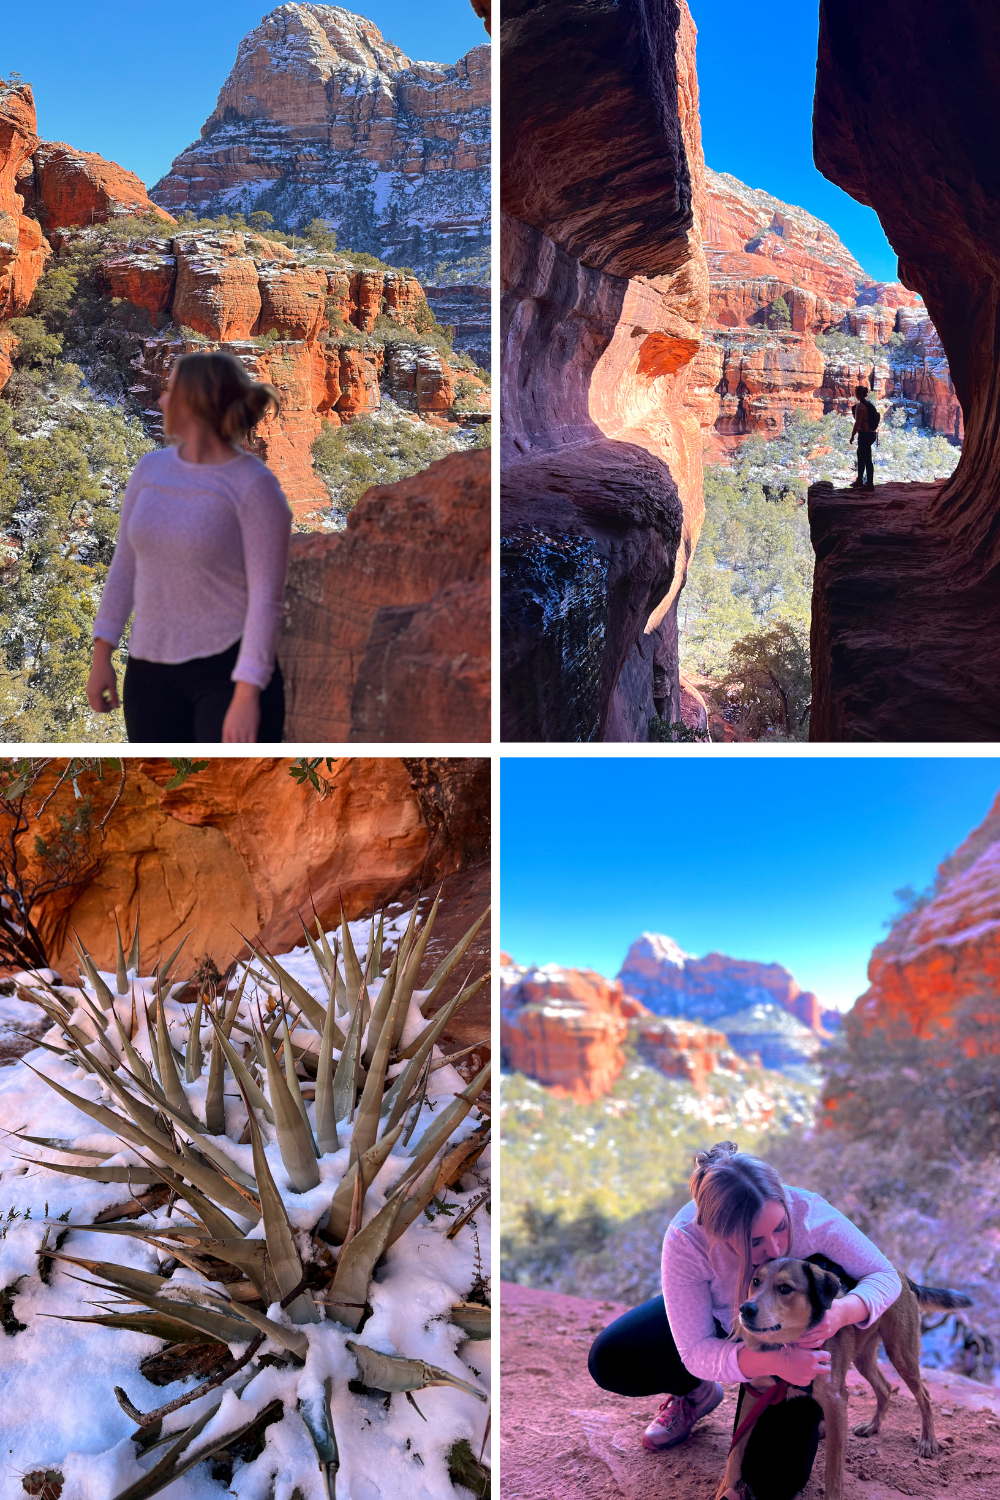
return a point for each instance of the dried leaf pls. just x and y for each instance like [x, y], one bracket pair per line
[393, 1372]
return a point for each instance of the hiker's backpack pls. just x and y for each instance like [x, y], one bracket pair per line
[874, 416]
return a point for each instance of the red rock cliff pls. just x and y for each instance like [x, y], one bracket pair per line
[23, 250]
[68, 187]
[322, 115]
[906, 615]
[604, 293]
[243, 846]
[946, 951]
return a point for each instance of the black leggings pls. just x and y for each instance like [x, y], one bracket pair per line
[866, 469]
[636, 1356]
[185, 702]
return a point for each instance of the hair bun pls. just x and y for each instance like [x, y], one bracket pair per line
[718, 1153]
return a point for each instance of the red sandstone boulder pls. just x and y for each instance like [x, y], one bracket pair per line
[292, 300]
[359, 388]
[422, 543]
[71, 187]
[145, 275]
[217, 294]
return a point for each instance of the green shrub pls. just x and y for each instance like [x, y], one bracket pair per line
[38, 348]
[375, 450]
[778, 314]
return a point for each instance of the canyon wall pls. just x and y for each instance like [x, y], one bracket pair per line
[23, 249]
[945, 951]
[794, 323]
[333, 339]
[242, 847]
[567, 1029]
[604, 293]
[906, 615]
[323, 117]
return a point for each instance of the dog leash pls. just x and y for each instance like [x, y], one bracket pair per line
[776, 1393]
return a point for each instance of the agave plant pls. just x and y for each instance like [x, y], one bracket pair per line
[188, 1076]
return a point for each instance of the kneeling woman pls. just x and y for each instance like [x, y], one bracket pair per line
[741, 1214]
[201, 558]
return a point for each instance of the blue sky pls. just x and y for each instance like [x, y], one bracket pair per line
[137, 82]
[756, 74]
[793, 861]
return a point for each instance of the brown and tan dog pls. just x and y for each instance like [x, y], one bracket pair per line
[787, 1298]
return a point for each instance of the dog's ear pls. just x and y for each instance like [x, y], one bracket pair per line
[822, 1288]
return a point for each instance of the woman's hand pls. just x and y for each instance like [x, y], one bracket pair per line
[102, 684]
[849, 1309]
[800, 1366]
[242, 720]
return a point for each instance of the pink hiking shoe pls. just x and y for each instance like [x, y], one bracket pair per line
[677, 1416]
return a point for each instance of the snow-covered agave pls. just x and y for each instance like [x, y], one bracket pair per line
[270, 1036]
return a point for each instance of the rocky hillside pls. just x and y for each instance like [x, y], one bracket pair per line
[323, 117]
[794, 323]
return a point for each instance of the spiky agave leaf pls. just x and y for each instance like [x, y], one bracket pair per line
[141, 1176]
[164, 970]
[453, 1162]
[438, 1132]
[447, 965]
[193, 1060]
[121, 977]
[294, 1136]
[215, 1105]
[286, 1262]
[369, 1106]
[345, 1078]
[170, 1078]
[310, 1007]
[317, 1419]
[133, 957]
[216, 1156]
[394, 1101]
[104, 996]
[228, 1330]
[156, 1326]
[326, 1115]
[67, 1146]
[348, 1296]
[379, 1012]
[136, 1062]
[242, 1074]
[393, 1372]
[119, 1278]
[453, 1006]
[182, 1456]
[290, 1338]
[292, 1079]
[408, 980]
[370, 1163]
[352, 967]
[320, 959]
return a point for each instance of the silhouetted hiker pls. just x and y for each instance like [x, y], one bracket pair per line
[200, 559]
[866, 420]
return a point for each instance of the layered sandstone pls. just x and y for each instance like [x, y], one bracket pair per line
[386, 632]
[945, 952]
[23, 248]
[604, 293]
[905, 628]
[322, 116]
[761, 365]
[292, 319]
[243, 848]
[566, 1028]
[66, 187]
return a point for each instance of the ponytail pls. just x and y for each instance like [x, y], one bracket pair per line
[219, 392]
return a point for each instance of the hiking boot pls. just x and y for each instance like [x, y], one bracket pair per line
[678, 1414]
[857, 485]
[868, 486]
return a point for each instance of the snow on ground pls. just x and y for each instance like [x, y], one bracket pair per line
[57, 1378]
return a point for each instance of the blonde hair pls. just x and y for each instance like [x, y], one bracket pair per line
[729, 1189]
[219, 392]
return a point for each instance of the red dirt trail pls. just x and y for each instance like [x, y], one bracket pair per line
[562, 1438]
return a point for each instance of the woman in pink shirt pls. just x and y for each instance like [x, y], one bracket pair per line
[741, 1215]
[200, 564]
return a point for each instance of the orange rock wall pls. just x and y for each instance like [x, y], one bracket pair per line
[23, 249]
[242, 847]
[387, 624]
[70, 187]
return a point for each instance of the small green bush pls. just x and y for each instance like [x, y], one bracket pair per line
[375, 450]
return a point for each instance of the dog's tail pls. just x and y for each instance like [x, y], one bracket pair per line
[938, 1296]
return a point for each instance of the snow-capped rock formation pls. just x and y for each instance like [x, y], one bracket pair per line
[759, 1006]
[779, 277]
[322, 117]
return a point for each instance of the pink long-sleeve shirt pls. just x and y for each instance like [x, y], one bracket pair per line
[699, 1278]
[201, 558]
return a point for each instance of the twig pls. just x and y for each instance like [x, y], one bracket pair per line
[144, 1419]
